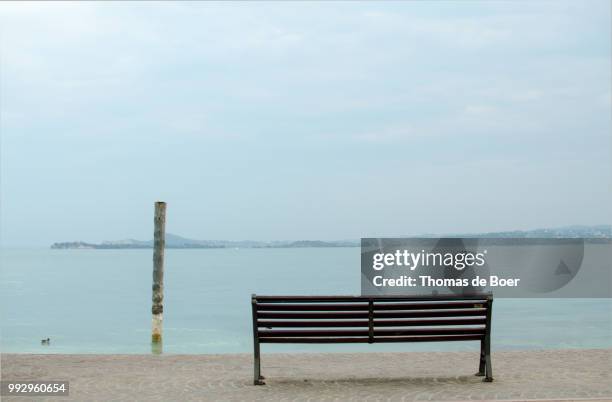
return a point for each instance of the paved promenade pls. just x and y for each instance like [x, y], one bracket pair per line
[441, 376]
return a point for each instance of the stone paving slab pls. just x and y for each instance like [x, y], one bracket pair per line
[435, 376]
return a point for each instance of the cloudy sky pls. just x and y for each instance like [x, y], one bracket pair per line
[302, 120]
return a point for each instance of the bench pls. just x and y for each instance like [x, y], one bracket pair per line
[379, 319]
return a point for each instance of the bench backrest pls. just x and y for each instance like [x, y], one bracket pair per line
[360, 319]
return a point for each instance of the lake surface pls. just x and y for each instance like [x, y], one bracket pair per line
[99, 301]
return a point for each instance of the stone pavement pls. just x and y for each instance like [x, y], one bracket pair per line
[438, 376]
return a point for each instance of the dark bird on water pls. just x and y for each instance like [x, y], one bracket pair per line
[45, 341]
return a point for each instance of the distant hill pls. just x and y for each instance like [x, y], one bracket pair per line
[175, 241]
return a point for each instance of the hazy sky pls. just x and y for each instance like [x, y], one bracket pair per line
[302, 120]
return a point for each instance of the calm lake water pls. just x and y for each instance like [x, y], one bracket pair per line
[99, 301]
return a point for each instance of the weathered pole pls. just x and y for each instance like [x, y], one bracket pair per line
[159, 243]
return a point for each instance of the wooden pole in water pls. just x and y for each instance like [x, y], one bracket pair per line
[159, 243]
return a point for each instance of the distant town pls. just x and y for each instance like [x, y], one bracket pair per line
[175, 241]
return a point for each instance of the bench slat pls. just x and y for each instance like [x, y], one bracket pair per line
[317, 316]
[438, 338]
[431, 313]
[312, 307]
[377, 332]
[377, 323]
[377, 314]
[429, 306]
[340, 299]
[377, 306]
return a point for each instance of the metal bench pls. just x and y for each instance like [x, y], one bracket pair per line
[362, 319]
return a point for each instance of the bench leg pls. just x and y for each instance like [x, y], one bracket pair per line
[257, 377]
[488, 366]
[489, 377]
[481, 366]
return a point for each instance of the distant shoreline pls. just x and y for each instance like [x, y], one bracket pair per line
[108, 246]
[594, 234]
